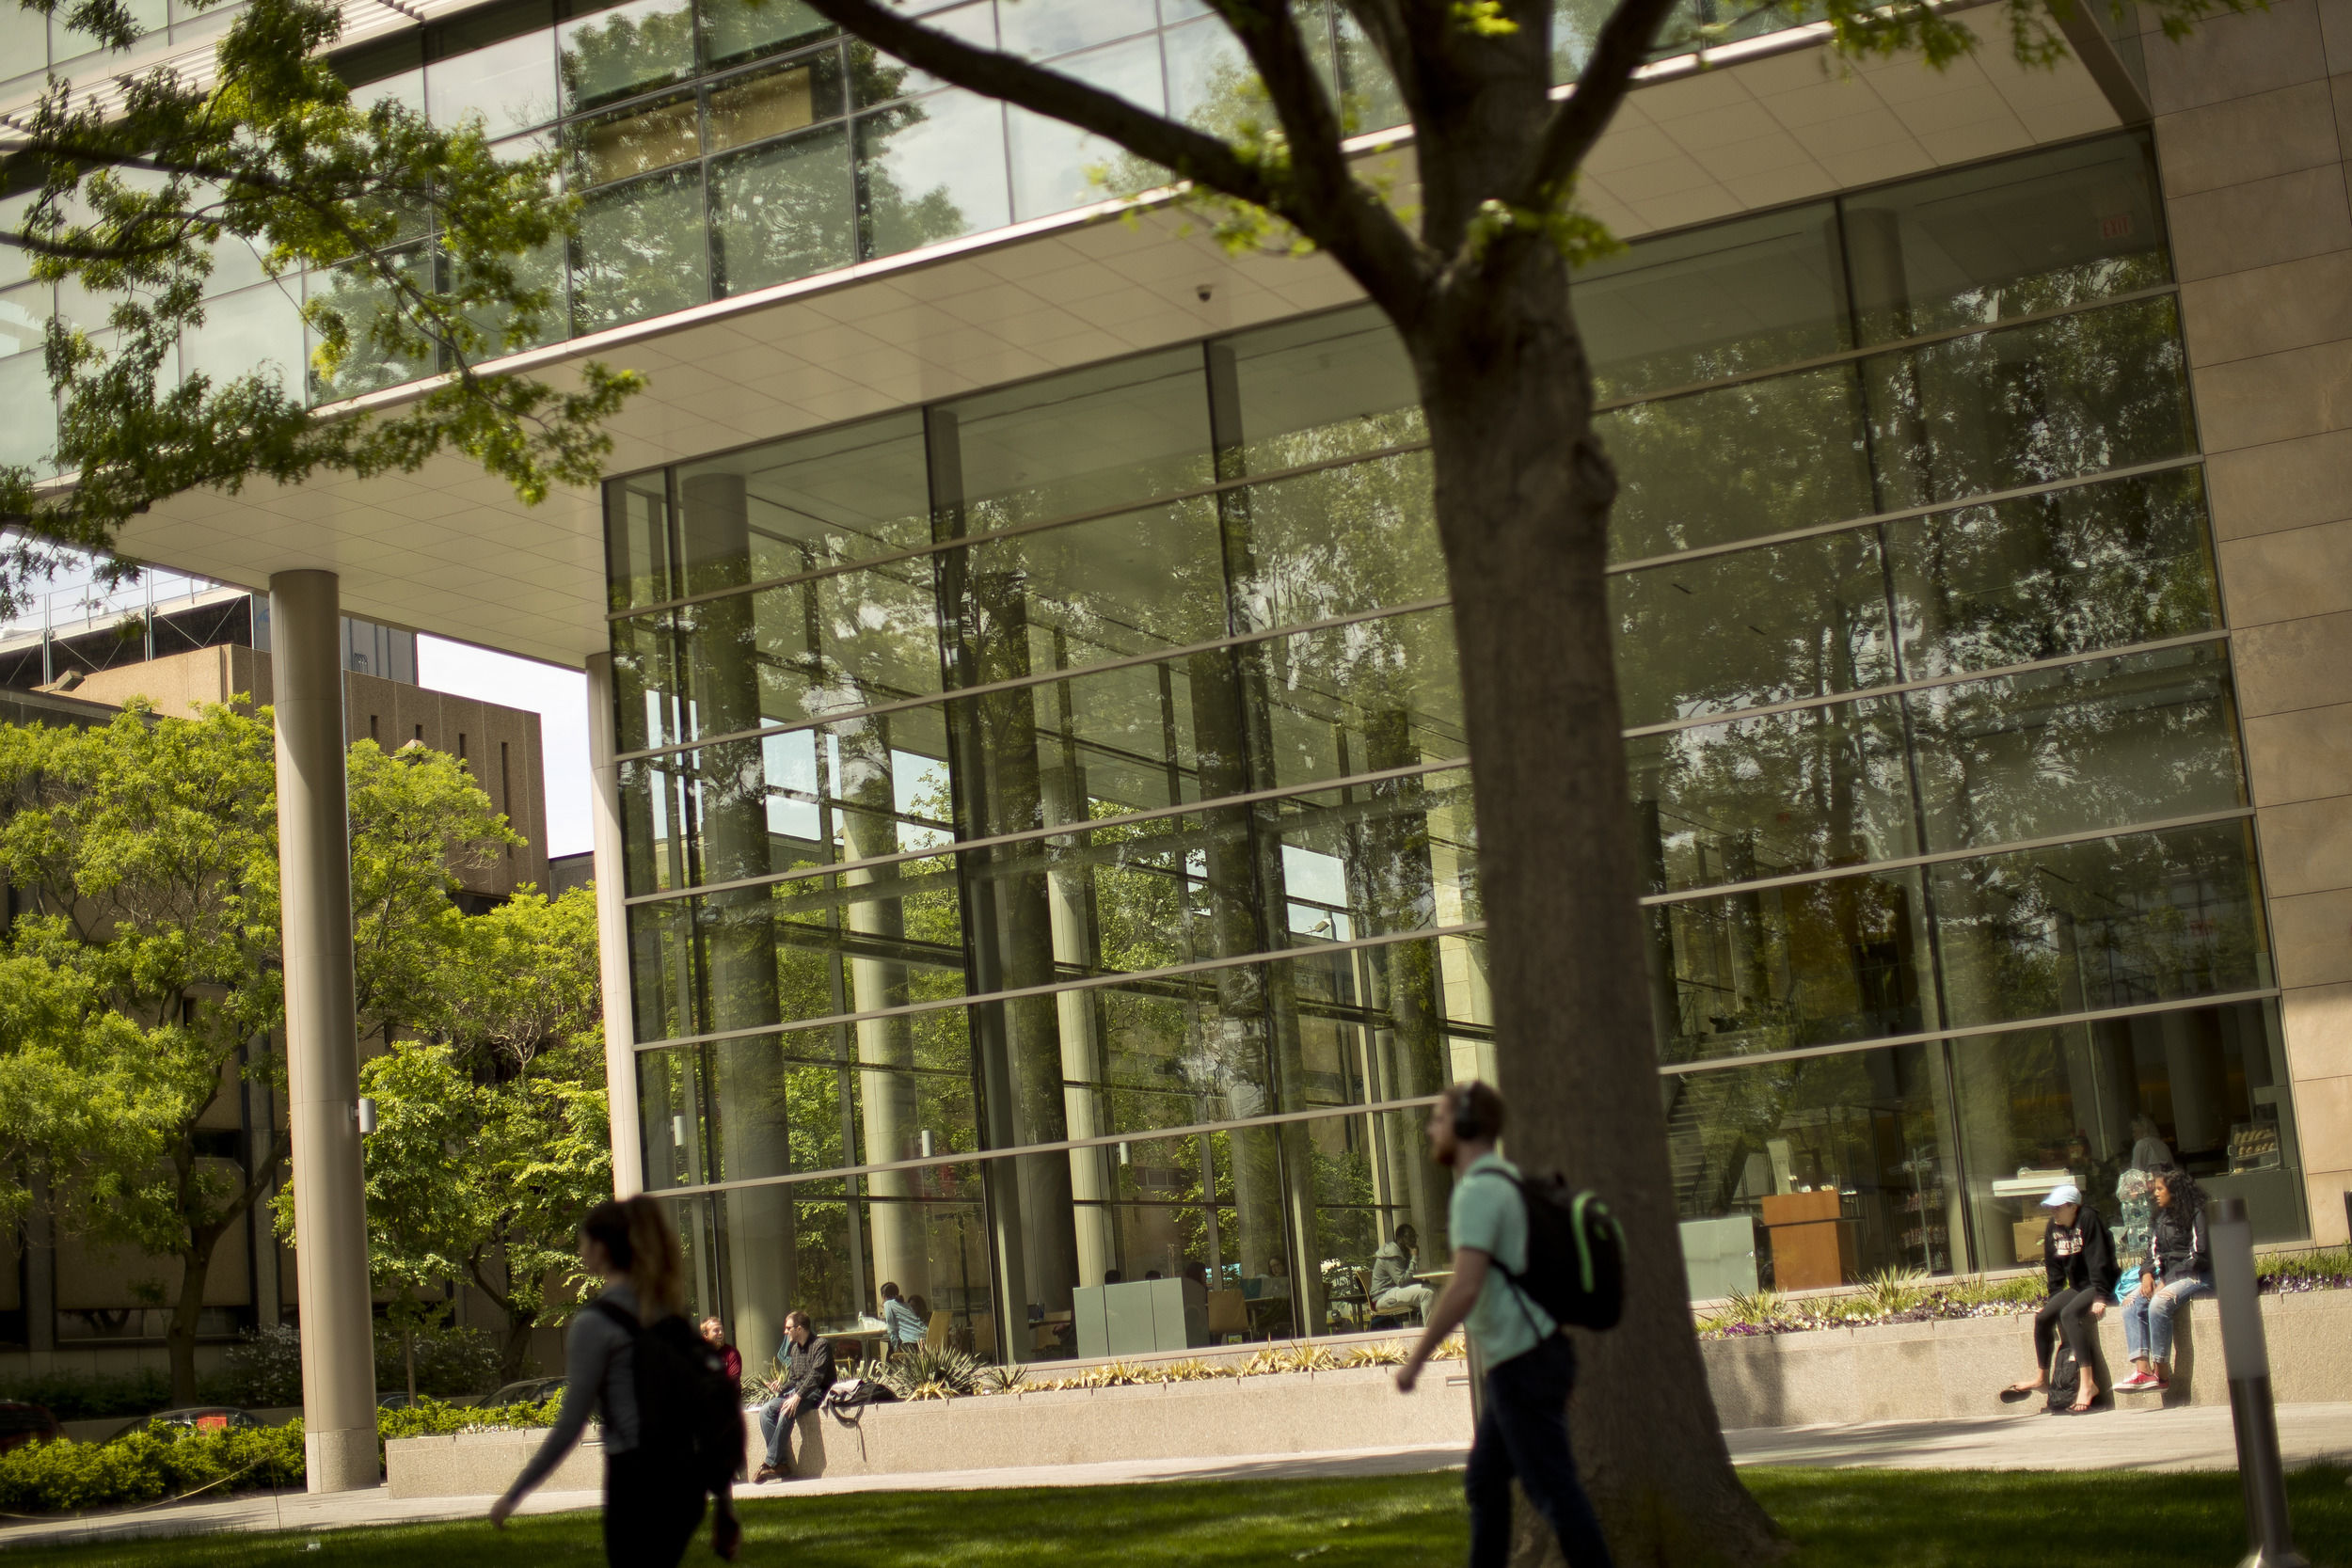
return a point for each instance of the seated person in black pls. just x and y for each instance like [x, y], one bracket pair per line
[2079, 1255]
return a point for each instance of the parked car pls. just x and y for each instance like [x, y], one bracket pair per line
[22, 1423]
[195, 1418]
[530, 1391]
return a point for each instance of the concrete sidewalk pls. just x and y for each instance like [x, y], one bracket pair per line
[2189, 1438]
[2192, 1437]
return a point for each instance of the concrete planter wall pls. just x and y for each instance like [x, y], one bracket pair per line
[1930, 1370]
[1895, 1371]
[1287, 1413]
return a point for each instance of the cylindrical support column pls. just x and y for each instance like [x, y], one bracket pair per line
[620, 1037]
[2245, 1351]
[322, 1044]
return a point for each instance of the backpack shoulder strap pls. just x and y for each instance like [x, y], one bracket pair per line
[618, 1316]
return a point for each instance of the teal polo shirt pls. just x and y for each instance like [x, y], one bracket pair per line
[1488, 1214]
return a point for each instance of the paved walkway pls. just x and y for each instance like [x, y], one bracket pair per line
[2187, 1438]
[2191, 1437]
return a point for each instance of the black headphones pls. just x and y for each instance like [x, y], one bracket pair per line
[1466, 1124]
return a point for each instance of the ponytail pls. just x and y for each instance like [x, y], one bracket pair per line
[636, 1235]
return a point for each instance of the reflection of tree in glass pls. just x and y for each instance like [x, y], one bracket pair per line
[630, 51]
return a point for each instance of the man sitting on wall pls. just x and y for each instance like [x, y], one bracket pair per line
[1395, 1290]
[808, 1376]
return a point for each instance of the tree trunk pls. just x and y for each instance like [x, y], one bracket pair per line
[1523, 493]
[195, 1266]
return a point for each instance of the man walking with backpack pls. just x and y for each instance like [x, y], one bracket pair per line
[1530, 1364]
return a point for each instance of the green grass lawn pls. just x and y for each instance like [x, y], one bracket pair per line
[1839, 1519]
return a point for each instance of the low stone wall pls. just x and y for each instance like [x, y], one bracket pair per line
[1287, 1413]
[1893, 1372]
[1931, 1371]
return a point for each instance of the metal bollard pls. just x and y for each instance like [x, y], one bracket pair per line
[2251, 1412]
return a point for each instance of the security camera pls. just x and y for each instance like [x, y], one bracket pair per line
[1203, 292]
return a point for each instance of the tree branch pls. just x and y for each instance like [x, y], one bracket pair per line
[1192, 154]
[1575, 125]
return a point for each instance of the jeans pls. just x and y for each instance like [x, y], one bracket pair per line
[1523, 1434]
[2067, 1312]
[2148, 1320]
[775, 1430]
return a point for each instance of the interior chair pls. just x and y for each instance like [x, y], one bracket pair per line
[1229, 1313]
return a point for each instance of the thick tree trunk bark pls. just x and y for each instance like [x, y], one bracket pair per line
[1523, 491]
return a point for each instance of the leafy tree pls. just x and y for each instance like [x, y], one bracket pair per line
[140, 984]
[434, 248]
[1477, 283]
[492, 1142]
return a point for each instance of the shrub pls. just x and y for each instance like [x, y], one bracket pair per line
[451, 1362]
[66, 1477]
[432, 1419]
[926, 1374]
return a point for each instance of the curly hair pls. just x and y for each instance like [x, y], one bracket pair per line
[2188, 1198]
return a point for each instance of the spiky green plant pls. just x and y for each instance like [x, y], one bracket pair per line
[956, 1372]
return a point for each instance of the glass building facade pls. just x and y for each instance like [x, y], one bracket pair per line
[1048, 833]
[719, 146]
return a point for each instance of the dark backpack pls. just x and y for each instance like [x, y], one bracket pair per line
[1574, 1253]
[2066, 1377]
[690, 1413]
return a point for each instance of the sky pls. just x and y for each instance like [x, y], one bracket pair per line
[559, 697]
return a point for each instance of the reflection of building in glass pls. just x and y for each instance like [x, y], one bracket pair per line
[1038, 844]
[1074, 773]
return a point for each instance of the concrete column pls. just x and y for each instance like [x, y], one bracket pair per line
[620, 1038]
[321, 1047]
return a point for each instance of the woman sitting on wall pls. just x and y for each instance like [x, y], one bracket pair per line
[2079, 1255]
[2177, 1269]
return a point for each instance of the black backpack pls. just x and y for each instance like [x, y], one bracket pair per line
[2066, 1377]
[1574, 1253]
[690, 1413]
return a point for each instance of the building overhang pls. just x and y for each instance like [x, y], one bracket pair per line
[451, 552]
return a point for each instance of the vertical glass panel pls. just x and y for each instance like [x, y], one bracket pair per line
[28, 412]
[1041, 27]
[1727, 632]
[759, 105]
[1380, 1220]
[2042, 577]
[2047, 231]
[2105, 388]
[361, 296]
[1772, 796]
[1056, 167]
[1081, 441]
[258, 332]
[634, 141]
[1335, 541]
[1211, 84]
[636, 549]
[831, 645]
[2111, 922]
[640, 252]
[1066, 598]
[499, 65]
[930, 170]
[785, 211]
[1779, 969]
[25, 312]
[2087, 746]
[2203, 1086]
[629, 48]
[1362, 698]
[840, 495]
[737, 30]
[1714, 302]
[1310, 391]
[1367, 92]
[877, 78]
[1785, 453]
[1793, 1176]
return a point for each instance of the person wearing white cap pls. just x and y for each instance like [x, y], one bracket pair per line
[2079, 1255]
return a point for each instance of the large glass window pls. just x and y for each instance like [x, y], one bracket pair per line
[1060, 797]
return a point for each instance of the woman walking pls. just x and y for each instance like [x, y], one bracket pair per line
[651, 1503]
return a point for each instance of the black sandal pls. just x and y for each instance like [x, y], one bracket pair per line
[2013, 1394]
